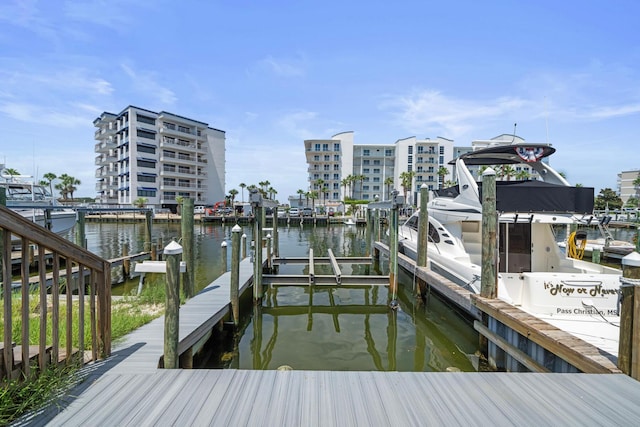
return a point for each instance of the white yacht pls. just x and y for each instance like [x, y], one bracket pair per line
[577, 296]
[30, 200]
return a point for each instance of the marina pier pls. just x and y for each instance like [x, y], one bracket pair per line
[128, 386]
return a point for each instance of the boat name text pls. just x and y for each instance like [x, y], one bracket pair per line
[565, 290]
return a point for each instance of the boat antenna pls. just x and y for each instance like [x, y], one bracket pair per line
[546, 118]
[514, 132]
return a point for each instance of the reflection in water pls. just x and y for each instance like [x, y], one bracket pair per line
[350, 329]
[331, 328]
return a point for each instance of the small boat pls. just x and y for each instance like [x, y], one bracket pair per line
[350, 221]
[35, 202]
[534, 275]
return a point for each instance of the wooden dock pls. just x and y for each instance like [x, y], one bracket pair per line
[128, 389]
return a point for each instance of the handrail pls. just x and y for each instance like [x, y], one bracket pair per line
[93, 274]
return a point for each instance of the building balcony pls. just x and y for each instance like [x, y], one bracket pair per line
[104, 132]
[105, 146]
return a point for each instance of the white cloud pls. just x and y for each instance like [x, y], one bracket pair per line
[294, 124]
[283, 68]
[146, 84]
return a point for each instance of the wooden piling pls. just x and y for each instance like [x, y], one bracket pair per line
[629, 343]
[276, 245]
[223, 255]
[235, 273]
[173, 252]
[369, 233]
[393, 249]
[188, 255]
[243, 243]
[595, 256]
[126, 263]
[148, 215]
[257, 258]
[423, 226]
[81, 239]
[489, 277]
[269, 255]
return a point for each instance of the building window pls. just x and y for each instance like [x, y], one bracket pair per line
[365, 188]
[420, 149]
[317, 147]
[365, 170]
[335, 196]
[336, 157]
[411, 149]
[336, 146]
[146, 134]
[146, 149]
[336, 176]
[441, 150]
[325, 147]
[376, 170]
[325, 167]
[146, 119]
[442, 160]
[184, 129]
[388, 153]
[327, 158]
[366, 152]
[410, 159]
[376, 179]
[409, 168]
[146, 178]
[376, 188]
[146, 164]
[365, 162]
[376, 162]
[147, 192]
[336, 167]
[316, 158]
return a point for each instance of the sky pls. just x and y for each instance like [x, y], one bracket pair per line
[274, 73]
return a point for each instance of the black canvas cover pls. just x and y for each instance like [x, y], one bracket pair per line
[539, 196]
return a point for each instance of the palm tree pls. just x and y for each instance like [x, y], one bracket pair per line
[11, 172]
[49, 177]
[67, 185]
[320, 182]
[507, 171]
[345, 183]
[406, 179]
[140, 202]
[636, 184]
[313, 195]
[272, 192]
[442, 172]
[389, 183]
[233, 193]
[243, 186]
[301, 193]
[360, 178]
[523, 175]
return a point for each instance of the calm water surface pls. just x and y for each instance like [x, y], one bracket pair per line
[332, 328]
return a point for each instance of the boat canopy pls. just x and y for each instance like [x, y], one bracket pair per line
[507, 154]
[539, 196]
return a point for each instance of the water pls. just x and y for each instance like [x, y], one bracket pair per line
[343, 329]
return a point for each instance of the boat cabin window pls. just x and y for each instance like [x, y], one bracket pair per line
[515, 248]
[433, 233]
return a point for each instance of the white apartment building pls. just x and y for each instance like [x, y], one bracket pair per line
[378, 166]
[626, 189]
[157, 156]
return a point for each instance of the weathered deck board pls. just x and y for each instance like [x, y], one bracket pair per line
[322, 398]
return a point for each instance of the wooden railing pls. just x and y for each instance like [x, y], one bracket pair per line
[60, 264]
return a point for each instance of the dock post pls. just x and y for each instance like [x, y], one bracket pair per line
[244, 245]
[488, 278]
[276, 246]
[223, 253]
[160, 246]
[80, 233]
[638, 238]
[423, 226]
[126, 263]
[369, 235]
[186, 223]
[629, 343]
[595, 256]
[393, 250]
[235, 273]
[173, 251]
[148, 222]
[256, 203]
[378, 226]
[269, 252]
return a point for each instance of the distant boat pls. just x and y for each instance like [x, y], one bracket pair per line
[350, 221]
[32, 200]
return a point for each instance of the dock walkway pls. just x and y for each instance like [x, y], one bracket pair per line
[128, 389]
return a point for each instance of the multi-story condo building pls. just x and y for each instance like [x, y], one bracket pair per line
[158, 157]
[626, 187]
[376, 168]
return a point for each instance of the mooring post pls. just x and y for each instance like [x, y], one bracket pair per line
[369, 236]
[244, 245]
[173, 252]
[160, 246]
[595, 256]
[269, 252]
[378, 226]
[393, 249]
[256, 203]
[423, 226]
[488, 278]
[629, 343]
[126, 263]
[638, 238]
[81, 239]
[235, 273]
[223, 255]
[188, 256]
[276, 245]
[154, 252]
[148, 219]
